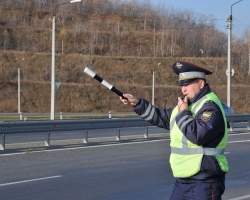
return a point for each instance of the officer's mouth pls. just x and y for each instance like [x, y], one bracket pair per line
[185, 95]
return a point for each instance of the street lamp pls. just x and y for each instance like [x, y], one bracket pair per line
[229, 66]
[19, 91]
[19, 88]
[153, 86]
[53, 64]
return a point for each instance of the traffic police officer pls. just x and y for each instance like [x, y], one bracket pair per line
[198, 134]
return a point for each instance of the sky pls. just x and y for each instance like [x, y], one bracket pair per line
[219, 9]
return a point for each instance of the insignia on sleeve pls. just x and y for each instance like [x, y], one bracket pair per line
[206, 116]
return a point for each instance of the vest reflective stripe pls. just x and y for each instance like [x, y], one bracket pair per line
[197, 104]
[184, 142]
[186, 122]
[203, 151]
[186, 157]
[172, 121]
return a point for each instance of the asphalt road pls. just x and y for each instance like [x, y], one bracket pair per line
[134, 168]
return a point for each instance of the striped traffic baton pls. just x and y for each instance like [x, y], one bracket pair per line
[104, 82]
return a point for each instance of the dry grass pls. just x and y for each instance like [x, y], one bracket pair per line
[80, 93]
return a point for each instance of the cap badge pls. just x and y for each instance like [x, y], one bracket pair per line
[181, 76]
[178, 65]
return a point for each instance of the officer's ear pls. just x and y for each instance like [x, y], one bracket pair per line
[202, 83]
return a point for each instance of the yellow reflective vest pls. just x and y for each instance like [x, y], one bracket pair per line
[186, 157]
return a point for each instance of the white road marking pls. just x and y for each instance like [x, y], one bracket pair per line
[242, 197]
[237, 134]
[31, 180]
[239, 141]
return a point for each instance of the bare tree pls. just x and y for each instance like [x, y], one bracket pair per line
[5, 34]
[63, 35]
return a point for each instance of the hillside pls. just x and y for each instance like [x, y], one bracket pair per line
[80, 93]
[121, 41]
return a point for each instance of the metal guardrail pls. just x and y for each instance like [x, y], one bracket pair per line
[61, 115]
[12, 127]
[231, 118]
[68, 125]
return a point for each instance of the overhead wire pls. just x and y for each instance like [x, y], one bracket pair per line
[239, 26]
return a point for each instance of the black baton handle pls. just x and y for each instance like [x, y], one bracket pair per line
[118, 92]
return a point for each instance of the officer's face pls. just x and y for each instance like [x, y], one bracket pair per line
[191, 89]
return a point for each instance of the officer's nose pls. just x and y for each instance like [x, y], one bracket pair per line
[183, 88]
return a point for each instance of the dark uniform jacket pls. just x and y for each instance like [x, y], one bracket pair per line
[201, 132]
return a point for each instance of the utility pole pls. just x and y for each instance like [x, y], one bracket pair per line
[53, 62]
[153, 86]
[229, 66]
[19, 91]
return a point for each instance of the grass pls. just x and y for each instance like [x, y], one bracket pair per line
[79, 93]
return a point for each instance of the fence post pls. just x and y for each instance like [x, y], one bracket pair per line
[47, 139]
[85, 137]
[61, 115]
[146, 132]
[118, 134]
[231, 124]
[110, 114]
[21, 116]
[2, 142]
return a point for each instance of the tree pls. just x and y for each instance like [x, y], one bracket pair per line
[62, 36]
[5, 34]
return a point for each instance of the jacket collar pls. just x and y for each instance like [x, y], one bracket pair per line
[204, 91]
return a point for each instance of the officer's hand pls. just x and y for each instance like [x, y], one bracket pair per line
[182, 103]
[132, 100]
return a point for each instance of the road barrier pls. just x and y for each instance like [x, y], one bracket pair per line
[61, 115]
[13, 127]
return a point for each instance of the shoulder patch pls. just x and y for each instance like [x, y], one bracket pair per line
[206, 116]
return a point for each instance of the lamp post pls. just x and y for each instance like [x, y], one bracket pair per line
[53, 64]
[19, 88]
[229, 66]
[153, 86]
[19, 91]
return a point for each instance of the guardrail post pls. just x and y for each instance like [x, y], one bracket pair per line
[231, 124]
[146, 132]
[47, 139]
[110, 114]
[61, 115]
[118, 134]
[85, 137]
[21, 116]
[248, 125]
[2, 141]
